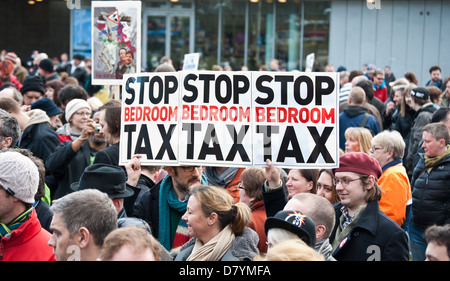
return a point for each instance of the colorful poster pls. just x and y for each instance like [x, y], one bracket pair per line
[116, 40]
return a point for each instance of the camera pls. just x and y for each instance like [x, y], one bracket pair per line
[97, 128]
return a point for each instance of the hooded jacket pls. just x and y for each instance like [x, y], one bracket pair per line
[243, 248]
[27, 243]
[351, 117]
[38, 136]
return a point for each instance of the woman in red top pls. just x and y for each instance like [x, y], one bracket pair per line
[250, 193]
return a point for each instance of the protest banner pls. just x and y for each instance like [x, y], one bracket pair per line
[231, 119]
[149, 125]
[216, 118]
[295, 119]
[116, 40]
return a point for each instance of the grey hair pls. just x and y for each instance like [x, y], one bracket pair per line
[89, 208]
[9, 127]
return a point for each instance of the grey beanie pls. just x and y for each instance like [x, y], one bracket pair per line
[19, 176]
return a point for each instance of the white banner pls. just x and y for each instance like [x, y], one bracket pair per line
[231, 119]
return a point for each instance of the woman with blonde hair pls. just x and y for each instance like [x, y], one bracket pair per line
[358, 139]
[218, 227]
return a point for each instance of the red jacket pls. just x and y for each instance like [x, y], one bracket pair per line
[27, 243]
[15, 81]
[382, 94]
[257, 224]
[232, 187]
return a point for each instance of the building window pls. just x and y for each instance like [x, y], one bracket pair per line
[239, 32]
[317, 32]
[206, 32]
[260, 34]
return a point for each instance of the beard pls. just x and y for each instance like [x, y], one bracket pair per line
[97, 141]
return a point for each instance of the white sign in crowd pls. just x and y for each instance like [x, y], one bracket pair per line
[231, 119]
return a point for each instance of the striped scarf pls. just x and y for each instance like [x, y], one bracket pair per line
[15, 224]
[168, 199]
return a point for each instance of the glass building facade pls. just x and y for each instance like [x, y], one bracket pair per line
[230, 33]
[236, 33]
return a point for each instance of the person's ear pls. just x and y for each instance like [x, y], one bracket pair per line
[6, 142]
[212, 219]
[84, 237]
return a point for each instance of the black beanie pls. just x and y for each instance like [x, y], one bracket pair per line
[47, 65]
[32, 83]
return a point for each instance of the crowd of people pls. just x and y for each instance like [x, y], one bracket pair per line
[64, 197]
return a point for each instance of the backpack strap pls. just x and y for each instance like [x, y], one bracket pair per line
[364, 120]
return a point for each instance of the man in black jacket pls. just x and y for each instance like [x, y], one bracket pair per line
[362, 231]
[431, 194]
[37, 134]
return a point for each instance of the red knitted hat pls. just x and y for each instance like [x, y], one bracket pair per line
[359, 162]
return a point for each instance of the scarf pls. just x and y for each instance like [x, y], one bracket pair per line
[215, 248]
[221, 180]
[15, 224]
[168, 199]
[324, 248]
[73, 135]
[346, 220]
[430, 162]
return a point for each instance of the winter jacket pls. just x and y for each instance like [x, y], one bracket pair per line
[243, 248]
[439, 84]
[257, 224]
[381, 93]
[44, 214]
[146, 206]
[396, 192]
[38, 136]
[431, 194]
[373, 237]
[231, 186]
[274, 199]
[109, 155]
[13, 80]
[27, 243]
[403, 124]
[421, 119]
[66, 166]
[351, 117]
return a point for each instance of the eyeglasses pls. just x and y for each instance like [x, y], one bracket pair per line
[240, 186]
[374, 148]
[344, 182]
[88, 114]
[190, 169]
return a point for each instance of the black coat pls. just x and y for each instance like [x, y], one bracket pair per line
[147, 208]
[373, 237]
[431, 194]
[44, 214]
[109, 155]
[66, 166]
[40, 139]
